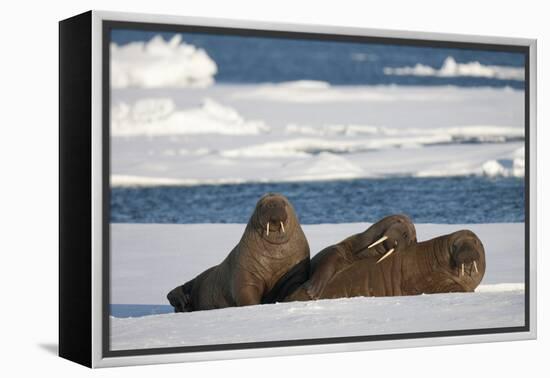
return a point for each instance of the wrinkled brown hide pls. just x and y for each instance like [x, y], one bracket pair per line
[398, 231]
[433, 266]
[253, 270]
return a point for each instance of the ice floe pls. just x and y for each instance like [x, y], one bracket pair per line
[159, 63]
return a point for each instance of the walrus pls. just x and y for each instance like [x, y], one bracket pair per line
[445, 264]
[391, 234]
[270, 261]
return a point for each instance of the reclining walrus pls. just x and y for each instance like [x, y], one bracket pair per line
[449, 263]
[391, 234]
[270, 261]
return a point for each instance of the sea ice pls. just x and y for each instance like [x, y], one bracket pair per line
[451, 68]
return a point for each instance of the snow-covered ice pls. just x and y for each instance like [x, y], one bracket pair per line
[147, 260]
[290, 131]
[322, 319]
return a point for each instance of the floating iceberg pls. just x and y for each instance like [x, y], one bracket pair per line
[159, 63]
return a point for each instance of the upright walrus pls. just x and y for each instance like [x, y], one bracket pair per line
[270, 261]
[391, 234]
[445, 264]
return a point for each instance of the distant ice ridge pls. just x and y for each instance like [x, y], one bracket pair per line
[159, 63]
[451, 68]
[304, 147]
[296, 148]
[320, 92]
[469, 134]
[159, 116]
[374, 138]
[309, 92]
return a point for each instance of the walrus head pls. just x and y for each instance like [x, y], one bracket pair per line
[392, 234]
[274, 218]
[467, 253]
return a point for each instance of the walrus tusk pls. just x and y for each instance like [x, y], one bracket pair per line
[267, 228]
[475, 267]
[462, 269]
[386, 255]
[282, 227]
[378, 241]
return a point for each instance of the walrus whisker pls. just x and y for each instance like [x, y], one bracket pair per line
[475, 267]
[386, 255]
[282, 227]
[267, 229]
[378, 241]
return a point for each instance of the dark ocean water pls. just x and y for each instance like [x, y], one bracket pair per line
[262, 59]
[426, 200]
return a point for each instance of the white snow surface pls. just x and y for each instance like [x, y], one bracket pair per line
[451, 68]
[149, 260]
[322, 319]
[310, 130]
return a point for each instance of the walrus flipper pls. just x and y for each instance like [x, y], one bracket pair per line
[289, 282]
[180, 297]
[328, 263]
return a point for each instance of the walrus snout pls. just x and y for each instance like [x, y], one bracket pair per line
[466, 252]
[392, 234]
[273, 214]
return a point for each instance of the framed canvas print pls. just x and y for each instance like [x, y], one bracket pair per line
[232, 189]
